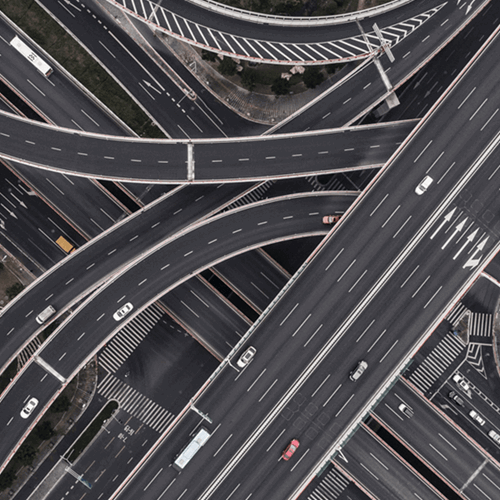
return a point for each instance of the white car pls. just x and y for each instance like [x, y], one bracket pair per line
[406, 410]
[424, 185]
[478, 418]
[459, 380]
[123, 311]
[495, 436]
[29, 407]
[246, 357]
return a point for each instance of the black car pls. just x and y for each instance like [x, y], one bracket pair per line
[453, 395]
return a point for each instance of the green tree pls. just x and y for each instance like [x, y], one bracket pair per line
[7, 478]
[249, 78]
[206, 55]
[26, 454]
[44, 430]
[289, 8]
[14, 290]
[312, 77]
[227, 67]
[281, 86]
[61, 404]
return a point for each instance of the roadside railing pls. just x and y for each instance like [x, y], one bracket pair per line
[275, 20]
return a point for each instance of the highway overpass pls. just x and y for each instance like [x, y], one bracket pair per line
[258, 38]
[358, 298]
[198, 161]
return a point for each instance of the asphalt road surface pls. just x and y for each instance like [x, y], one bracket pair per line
[289, 391]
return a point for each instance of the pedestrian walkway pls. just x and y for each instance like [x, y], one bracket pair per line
[125, 342]
[480, 327]
[438, 360]
[330, 487]
[135, 403]
[456, 314]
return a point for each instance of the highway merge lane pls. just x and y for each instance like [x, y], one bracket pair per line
[92, 324]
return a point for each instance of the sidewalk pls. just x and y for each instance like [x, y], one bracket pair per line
[260, 108]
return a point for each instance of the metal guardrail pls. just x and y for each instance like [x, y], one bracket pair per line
[274, 20]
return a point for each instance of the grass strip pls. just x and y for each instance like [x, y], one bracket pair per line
[47, 33]
[91, 431]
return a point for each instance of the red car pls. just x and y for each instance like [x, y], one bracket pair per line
[290, 449]
[331, 219]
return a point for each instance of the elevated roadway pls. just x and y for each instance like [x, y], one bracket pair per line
[348, 305]
[168, 161]
[306, 41]
[451, 455]
[73, 343]
[348, 102]
[381, 472]
[87, 268]
[255, 277]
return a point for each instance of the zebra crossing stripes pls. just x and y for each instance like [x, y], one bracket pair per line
[330, 487]
[456, 314]
[480, 325]
[333, 184]
[254, 195]
[281, 52]
[438, 360]
[26, 354]
[135, 403]
[128, 338]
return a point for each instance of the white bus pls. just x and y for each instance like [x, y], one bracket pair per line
[191, 449]
[32, 57]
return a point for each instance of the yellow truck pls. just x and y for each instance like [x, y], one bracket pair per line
[65, 244]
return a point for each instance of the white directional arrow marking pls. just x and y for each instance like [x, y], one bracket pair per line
[12, 214]
[459, 227]
[343, 457]
[469, 7]
[151, 86]
[19, 201]
[480, 246]
[446, 220]
[469, 240]
[472, 263]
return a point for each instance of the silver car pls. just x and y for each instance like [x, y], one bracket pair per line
[246, 357]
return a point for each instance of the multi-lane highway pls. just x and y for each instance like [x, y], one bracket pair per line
[166, 161]
[346, 307]
[73, 344]
[443, 447]
[318, 404]
[142, 231]
[380, 471]
[284, 41]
